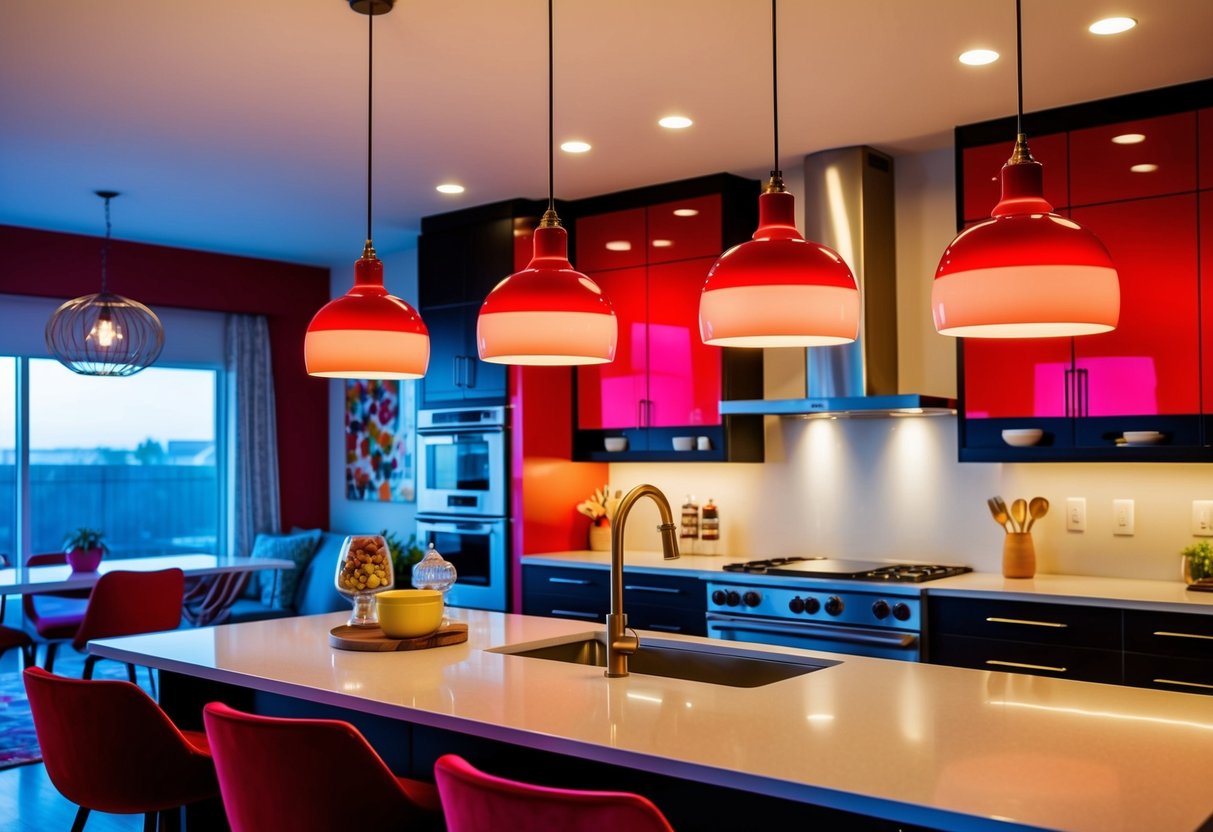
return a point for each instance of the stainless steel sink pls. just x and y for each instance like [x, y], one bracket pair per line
[678, 660]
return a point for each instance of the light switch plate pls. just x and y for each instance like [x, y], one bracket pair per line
[1202, 518]
[1076, 514]
[1122, 517]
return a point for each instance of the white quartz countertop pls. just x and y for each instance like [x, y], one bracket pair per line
[1127, 593]
[937, 746]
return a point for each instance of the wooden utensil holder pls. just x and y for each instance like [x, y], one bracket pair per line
[1018, 556]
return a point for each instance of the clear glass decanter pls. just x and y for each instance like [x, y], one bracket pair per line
[364, 568]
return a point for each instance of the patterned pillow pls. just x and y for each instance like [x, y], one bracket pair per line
[294, 547]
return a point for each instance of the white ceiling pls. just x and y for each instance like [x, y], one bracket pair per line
[240, 126]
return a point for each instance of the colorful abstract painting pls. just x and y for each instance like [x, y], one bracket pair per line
[380, 440]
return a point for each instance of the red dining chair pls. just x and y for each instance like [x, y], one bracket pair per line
[127, 603]
[55, 616]
[108, 746]
[309, 774]
[475, 802]
[11, 637]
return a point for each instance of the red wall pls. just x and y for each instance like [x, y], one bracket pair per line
[58, 265]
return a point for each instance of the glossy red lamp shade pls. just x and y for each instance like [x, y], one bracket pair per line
[1026, 272]
[367, 332]
[777, 289]
[548, 313]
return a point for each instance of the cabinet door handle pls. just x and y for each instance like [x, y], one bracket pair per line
[1025, 666]
[640, 413]
[662, 589]
[469, 371]
[573, 581]
[1166, 634]
[589, 616]
[455, 370]
[1169, 682]
[1083, 392]
[1026, 622]
[665, 628]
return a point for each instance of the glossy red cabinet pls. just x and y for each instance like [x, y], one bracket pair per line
[1132, 173]
[651, 259]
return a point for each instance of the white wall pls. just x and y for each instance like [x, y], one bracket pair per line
[362, 516]
[892, 488]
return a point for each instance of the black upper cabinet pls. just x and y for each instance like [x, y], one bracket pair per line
[463, 264]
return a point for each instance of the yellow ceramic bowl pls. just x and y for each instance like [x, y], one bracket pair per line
[409, 613]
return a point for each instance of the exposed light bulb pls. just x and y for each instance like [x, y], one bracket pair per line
[104, 333]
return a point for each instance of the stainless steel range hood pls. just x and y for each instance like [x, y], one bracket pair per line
[849, 207]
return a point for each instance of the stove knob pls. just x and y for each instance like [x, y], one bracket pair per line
[796, 604]
[752, 599]
[833, 605]
[901, 612]
[881, 609]
[733, 599]
[811, 605]
[719, 596]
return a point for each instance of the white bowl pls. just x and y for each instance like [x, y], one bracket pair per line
[684, 443]
[1142, 437]
[615, 443]
[1022, 437]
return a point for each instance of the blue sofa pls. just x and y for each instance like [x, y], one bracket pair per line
[315, 592]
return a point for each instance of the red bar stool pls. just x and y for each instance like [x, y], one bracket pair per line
[475, 802]
[108, 746]
[309, 775]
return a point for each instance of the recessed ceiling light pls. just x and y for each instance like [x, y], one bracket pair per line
[675, 122]
[1148, 167]
[1128, 138]
[449, 188]
[575, 147]
[662, 243]
[685, 212]
[978, 57]
[619, 245]
[1112, 25]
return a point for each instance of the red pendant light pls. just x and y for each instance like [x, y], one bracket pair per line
[368, 332]
[548, 313]
[1026, 272]
[778, 289]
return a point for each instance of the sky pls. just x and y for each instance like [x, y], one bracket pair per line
[73, 411]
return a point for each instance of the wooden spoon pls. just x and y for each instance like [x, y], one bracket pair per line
[1001, 504]
[1037, 509]
[1019, 513]
[999, 514]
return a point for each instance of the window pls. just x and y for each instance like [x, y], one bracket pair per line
[8, 458]
[136, 457]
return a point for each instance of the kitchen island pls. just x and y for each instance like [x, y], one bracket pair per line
[918, 744]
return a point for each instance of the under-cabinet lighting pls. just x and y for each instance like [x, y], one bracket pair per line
[1111, 25]
[1128, 138]
[978, 57]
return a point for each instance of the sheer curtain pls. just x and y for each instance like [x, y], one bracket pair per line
[252, 436]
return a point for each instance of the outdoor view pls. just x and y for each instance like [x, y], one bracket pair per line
[135, 457]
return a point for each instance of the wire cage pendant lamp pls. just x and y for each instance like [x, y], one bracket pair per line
[548, 314]
[778, 289]
[1026, 272]
[104, 334]
[367, 333]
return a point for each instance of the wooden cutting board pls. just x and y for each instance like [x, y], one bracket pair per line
[372, 639]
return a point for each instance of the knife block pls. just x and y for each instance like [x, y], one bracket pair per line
[1018, 555]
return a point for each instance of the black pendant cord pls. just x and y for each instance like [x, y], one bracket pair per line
[775, 171]
[105, 247]
[1019, 67]
[370, 104]
[551, 120]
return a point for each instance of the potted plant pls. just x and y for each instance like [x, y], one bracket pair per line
[1198, 561]
[404, 555]
[84, 548]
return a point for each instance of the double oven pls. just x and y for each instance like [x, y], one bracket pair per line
[462, 504]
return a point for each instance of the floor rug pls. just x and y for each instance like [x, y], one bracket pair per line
[18, 742]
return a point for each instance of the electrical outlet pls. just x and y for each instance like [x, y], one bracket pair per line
[1076, 514]
[1122, 517]
[1202, 518]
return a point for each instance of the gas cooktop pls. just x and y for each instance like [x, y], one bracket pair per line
[851, 570]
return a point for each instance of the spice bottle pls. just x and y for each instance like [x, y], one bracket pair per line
[688, 530]
[709, 527]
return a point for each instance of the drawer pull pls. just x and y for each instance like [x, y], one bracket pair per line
[642, 588]
[573, 581]
[1000, 663]
[590, 616]
[1026, 622]
[1181, 635]
[1184, 684]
